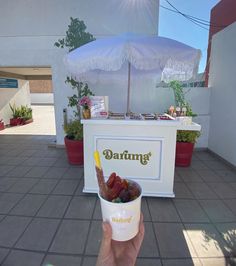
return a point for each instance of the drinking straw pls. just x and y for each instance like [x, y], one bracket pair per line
[100, 177]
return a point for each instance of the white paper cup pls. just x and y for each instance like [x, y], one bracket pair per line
[123, 217]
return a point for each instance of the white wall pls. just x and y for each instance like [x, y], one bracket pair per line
[41, 98]
[222, 136]
[29, 29]
[19, 96]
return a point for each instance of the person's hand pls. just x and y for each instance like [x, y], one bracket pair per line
[115, 253]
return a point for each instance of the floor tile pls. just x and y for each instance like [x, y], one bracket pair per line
[67, 241]
[149, 262]
[4, 169]
[217, 165]
[8, 201]
[228, 232]
[206, 240]
[59, 260]
[62, 162]
[202, 191]
[217, 211]
[227, 175]
[55, 172]
[145, 209]
[209, 176]
[182, 262]
[29, 205]
[38, 234]
[190, 176]
[190, 211]
[205, 156]
[149, 246]
[54, 206]
[97, 211]
[81, 207]
[11, 228]
[23, 185]
[197, 165]
[94, 238]
[3, 254]
[6, 183]
[73, 173]
[37, 171]
[44, 186]
[173, 241]
[231, 204]
[182, 191]
[223, 190]
[89, 261]
[66, 187]
[23, 258]
[157, 205]
[31, 161]
[19, 171]
[46, 161]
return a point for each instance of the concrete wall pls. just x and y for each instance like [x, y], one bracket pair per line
[222, 136]
[42, 98]
[19, 96]
[29, 29]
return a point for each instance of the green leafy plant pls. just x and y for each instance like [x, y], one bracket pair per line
[74, 130]
[76, 36]
[179, 95]
[25, 112]
[16, 112]
[187, 136]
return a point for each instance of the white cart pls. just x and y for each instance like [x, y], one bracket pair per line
[140, 150]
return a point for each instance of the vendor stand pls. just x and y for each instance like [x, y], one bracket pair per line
[140, 150]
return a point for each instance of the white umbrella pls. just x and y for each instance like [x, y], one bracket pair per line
[168, 58]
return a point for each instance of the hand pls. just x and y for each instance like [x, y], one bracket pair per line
[117, 253]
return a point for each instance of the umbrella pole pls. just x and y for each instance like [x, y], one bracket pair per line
[128, 93]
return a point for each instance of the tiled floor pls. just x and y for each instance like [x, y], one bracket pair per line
[45, 218]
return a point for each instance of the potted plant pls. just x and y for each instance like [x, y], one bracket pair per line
[26, 115]
[16, 115]
[76, 36]
[1, 124]
[185, 141]
[74, 142]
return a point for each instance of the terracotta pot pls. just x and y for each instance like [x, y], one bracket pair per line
[2, 125]
[16, 121]
[184, 152]
[86, 113]
[75, 151]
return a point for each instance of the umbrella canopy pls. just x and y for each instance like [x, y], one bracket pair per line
[168, 58]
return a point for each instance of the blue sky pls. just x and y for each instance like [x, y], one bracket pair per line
[175, 26]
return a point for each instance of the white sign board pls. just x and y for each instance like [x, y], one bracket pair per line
[134, 158]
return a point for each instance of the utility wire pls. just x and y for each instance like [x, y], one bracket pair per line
[199, 22]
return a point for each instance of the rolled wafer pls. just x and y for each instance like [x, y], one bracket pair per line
[100, 177]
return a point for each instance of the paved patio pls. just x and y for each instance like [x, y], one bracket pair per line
[46, 219]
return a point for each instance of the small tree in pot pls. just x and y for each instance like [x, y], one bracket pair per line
[76, 36]
[185, 139]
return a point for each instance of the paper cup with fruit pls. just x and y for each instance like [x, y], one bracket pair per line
[120, 203]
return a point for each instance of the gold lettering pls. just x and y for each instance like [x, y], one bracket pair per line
[125, 155]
